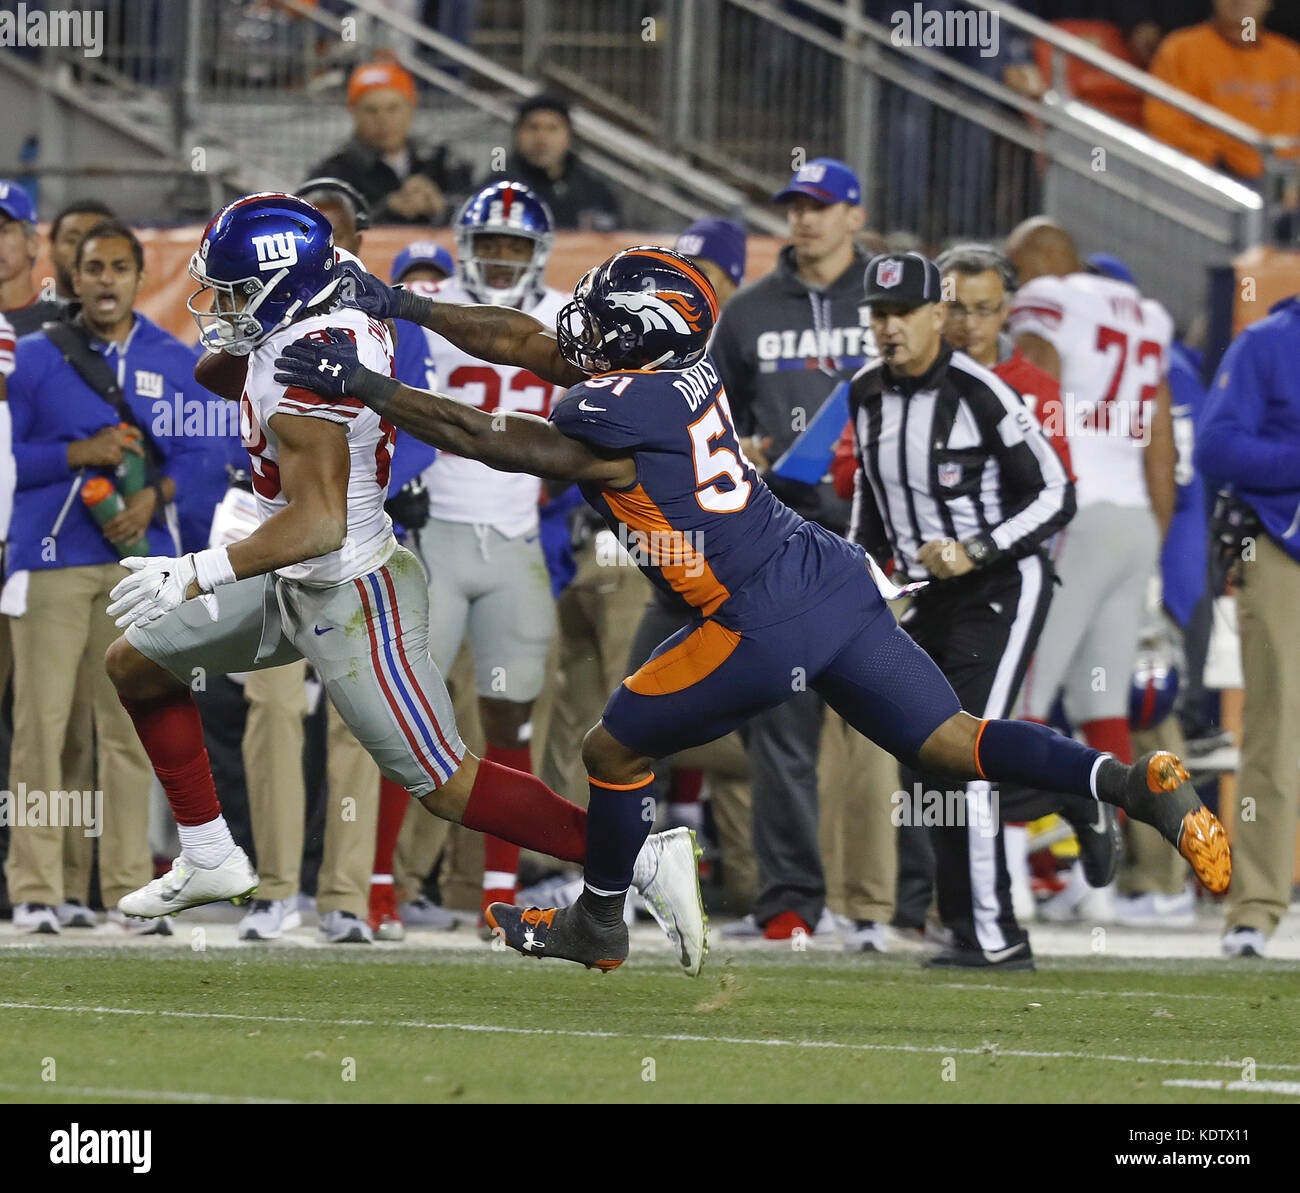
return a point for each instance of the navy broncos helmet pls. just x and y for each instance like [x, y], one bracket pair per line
[264, 259]
[644, 308]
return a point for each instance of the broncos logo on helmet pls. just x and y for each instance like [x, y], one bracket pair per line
[644, 308]
[660, 310]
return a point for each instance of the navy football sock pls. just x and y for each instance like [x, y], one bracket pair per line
[618, 821]
[1033, 755]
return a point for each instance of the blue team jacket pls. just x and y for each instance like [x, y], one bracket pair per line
[50, 407]
[1249, 436]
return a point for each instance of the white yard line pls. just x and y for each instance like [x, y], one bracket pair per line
[1240, 1087]
[498, 1029]
[867, 980]
[142, 1095]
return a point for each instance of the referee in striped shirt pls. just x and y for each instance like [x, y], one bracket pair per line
[957, 483]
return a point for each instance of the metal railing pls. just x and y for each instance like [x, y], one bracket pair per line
[695, 106]
[750, 88]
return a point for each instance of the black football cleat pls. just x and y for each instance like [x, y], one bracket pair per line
[1160, 793]
[1017, 959]
[569, 933]
[1101, 838]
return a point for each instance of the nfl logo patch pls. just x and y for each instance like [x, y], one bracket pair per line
[949, 475]
[889, 274]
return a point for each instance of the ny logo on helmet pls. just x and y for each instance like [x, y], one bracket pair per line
[661, 310]
[889, 274]
[275, 250]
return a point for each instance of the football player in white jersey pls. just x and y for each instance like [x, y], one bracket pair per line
[322, 577]
[481, 543]
[1108, 347]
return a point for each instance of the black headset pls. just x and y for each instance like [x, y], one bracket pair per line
[337, 186]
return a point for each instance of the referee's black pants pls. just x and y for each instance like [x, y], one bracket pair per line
[981, 629]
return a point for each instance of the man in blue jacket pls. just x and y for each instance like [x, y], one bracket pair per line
[62, 564]
[1249, 440]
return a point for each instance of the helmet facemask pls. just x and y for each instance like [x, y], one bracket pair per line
[578, 336]
[525, 277]
[230, 324]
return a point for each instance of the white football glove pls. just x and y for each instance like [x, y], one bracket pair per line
[156, 586]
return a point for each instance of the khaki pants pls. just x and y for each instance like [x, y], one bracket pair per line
[1268, 782]
[277, 797]
[726, 772]
[1153, 866]
[859, 842]
[58, 643]
[598, 616]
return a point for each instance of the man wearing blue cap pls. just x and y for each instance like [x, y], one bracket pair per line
[20, 300]
[782, 345]
[422, 261]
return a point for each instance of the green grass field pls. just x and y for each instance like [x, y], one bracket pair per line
[419, 1023]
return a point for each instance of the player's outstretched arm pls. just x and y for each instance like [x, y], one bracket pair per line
[509, 442]
[500, 335]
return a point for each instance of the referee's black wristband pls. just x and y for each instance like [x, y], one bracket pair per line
[412, 307]
[982, 550]
[374, 389]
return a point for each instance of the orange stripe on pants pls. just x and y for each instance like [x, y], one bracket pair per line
[690, 661]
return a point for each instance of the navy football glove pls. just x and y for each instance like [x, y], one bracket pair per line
[329, 369]
[372, 296]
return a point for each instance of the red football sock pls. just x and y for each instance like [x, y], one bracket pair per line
[501, 858]
[687, 782]
[523, 810]
[172, 735]
[1111, 736]
[393, 799]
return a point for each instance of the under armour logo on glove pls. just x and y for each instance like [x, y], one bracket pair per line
[321, 367]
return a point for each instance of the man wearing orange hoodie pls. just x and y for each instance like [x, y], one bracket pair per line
[1232, 63]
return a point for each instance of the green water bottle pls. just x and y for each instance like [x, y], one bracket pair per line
[104, 503]
[131, 472]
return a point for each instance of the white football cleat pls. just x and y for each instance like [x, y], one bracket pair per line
[269, 919]
[342, 927]
[36, 917]
[137, 927]
[187, 885]
[73, 913]
[667, 877]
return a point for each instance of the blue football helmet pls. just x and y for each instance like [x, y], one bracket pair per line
[503, 209]
[1154, 689]
[264, 259]
[644, 308]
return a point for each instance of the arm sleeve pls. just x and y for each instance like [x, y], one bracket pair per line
[1039, 308]
[35, 464]
[1043, 496]
[1230, 445]
[1167, 123]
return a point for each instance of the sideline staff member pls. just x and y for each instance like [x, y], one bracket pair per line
[957, 483]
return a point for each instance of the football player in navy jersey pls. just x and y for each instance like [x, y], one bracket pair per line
[646, 432]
